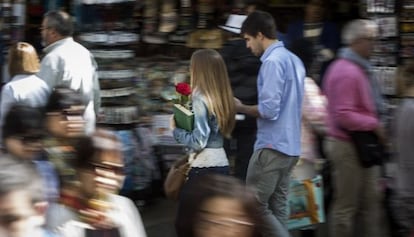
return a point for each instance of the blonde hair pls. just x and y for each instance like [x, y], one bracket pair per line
[23, 59]
[209, 76]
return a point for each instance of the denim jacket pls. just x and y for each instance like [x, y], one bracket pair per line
[206, 132]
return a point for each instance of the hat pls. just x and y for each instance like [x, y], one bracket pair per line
[234, 23]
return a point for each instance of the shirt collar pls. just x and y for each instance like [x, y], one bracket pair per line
[56, 44]
[348, 53]
[271, 47]
[21, 76]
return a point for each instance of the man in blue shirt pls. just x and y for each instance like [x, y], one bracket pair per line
[280, 91]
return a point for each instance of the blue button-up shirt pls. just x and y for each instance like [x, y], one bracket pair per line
[280, 92]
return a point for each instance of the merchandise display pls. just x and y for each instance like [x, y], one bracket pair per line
[12, 29]
[110, 46]
[406, 21]
[143, 47]
[109, 31]
[385, 53]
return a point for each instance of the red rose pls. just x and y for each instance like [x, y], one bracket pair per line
[183, 88]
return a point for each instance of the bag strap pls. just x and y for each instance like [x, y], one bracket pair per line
[191, 157]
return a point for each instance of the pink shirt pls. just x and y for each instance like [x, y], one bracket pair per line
[350, 101]
[313, 115]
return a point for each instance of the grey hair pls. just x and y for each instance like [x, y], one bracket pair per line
[60, 21]
[17, 175]
[357, 29]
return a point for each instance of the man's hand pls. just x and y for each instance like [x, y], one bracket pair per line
[251, 110]
[238, 104]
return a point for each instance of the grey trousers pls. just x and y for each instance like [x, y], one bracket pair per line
[269, 175]
[356, 193]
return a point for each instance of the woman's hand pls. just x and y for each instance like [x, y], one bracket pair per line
[97, 219]
[172, 123]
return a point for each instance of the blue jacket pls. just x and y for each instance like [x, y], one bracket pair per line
[206, 133]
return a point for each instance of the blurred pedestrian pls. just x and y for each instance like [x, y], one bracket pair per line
[402, 199]
[280, 94]
[354, 105]
[314, 111]
[68, 63]
[221, 205]
[323, 36]
[90, 205]
[22, 200]
[64, 125]
[242, 67]
[24, 87]
[24, 130]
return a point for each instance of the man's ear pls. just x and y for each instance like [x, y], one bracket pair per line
[260, 35]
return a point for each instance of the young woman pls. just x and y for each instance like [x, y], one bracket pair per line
[214, 118]
[90, 206]
[214, 113]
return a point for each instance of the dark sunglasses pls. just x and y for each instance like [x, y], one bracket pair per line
[30, 138]
[8, 219]
[71, 112]
[114, 168]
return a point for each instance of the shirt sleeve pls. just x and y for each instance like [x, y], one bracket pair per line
[7, 100]
[129, 219]
[49, 71]
[96, 88]
[196, 139]
[271, 85]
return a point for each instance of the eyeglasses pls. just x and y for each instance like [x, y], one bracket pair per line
[8, 219]
[69, 114]
[44, 28]
[104, 167]
[116, 169]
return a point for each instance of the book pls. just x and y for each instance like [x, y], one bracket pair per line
[184, 118]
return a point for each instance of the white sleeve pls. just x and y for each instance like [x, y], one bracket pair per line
[7, 100]
[128, 218]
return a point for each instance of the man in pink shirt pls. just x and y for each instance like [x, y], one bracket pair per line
[354, 104]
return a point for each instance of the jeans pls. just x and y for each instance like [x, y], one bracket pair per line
[269, 175]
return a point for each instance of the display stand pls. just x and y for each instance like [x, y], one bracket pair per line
[385, 58]
[12, 29]
[109, 30]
